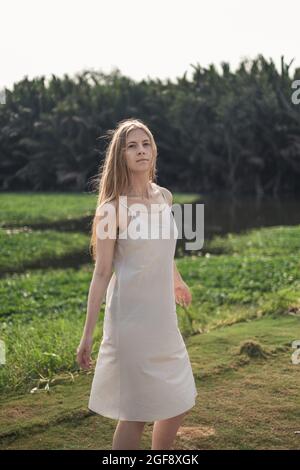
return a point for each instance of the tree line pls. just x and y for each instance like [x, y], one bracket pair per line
[219, 130]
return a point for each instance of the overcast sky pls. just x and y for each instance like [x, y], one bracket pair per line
[153, 38]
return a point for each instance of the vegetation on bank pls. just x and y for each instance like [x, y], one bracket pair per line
[238, 330]
[237, 131]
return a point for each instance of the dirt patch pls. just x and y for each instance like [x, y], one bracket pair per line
[193, 432]
[18, 412]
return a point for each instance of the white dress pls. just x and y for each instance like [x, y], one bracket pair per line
[143, 371]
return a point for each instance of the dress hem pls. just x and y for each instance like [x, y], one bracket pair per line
[107, 415]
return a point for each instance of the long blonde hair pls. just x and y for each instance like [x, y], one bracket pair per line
[113, 179]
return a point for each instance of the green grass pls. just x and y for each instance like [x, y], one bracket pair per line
[41, 349]
[42, 316]
[226, 289]
[20, 250]
[246, 292]
[243, 403]
[19, 209]
[255, 277]
[266, 241]
[39, 293]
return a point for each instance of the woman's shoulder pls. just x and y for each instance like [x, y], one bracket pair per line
[167, 193]
[109, 205]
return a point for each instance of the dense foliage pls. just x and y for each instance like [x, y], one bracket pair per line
[233, 131]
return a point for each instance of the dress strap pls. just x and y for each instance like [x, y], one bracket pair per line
[164, 196]
[162, 192]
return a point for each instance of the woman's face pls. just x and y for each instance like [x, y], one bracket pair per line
[138, 151]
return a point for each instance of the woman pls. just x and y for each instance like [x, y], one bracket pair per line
[143, 372]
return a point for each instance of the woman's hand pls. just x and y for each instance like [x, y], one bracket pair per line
[183, 294]
[84, 352]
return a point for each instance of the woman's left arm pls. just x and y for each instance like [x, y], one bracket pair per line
[182, 292]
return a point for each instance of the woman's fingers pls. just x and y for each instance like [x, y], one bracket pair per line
[86, 359]
[188, 297]
[83, 358]
[183, 296]
[186, 300]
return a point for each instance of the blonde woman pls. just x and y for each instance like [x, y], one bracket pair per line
[143, 372]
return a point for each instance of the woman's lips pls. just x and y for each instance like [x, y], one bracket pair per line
[143, 160]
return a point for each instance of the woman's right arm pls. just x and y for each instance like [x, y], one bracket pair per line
[105, 246]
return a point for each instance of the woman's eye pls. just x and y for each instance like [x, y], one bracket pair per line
[132, 145]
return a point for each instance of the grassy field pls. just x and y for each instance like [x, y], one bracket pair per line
[42, 209]
[239, 330]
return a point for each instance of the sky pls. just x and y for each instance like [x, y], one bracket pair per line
[143, 39]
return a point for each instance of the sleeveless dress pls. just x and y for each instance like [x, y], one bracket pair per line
[143, 371]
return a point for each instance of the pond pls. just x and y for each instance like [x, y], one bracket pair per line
[224, 214]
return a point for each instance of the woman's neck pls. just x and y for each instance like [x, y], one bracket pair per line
[140, 192]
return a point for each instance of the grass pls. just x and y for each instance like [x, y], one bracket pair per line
[21, 250]
[266, 242]
[30, 209]
[226, 289]
[243, 402]
[39, 293]
[238, 330]
[18, 209]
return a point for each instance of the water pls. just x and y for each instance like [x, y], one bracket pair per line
[224, 214]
